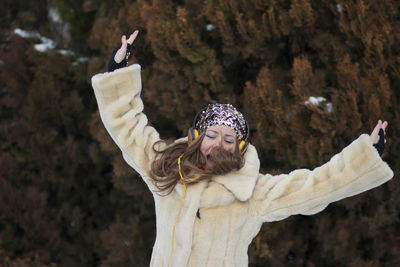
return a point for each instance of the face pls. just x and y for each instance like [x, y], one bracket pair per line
[218, 136]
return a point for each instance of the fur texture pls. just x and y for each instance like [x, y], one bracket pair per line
[233, 206]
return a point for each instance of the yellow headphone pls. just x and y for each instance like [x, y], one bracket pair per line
[193, 133]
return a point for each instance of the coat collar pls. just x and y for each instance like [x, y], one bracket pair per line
[242, 182]
[223, 189]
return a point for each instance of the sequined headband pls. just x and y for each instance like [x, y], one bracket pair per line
[222, 114]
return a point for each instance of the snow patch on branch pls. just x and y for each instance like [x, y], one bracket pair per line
[210, 27]
[26, 34]
[54, 15]
[80, 60]
[329, 107]
[317, 101]
[47, 44]
[66, 52]
[312, 100]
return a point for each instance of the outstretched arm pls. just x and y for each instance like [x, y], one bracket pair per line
[356, 169]
[121, 110]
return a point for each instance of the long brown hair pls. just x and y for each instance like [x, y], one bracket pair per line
[165, 171]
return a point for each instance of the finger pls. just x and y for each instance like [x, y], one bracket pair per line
[376, 129]
[123, 39]
[123, 42]
[384, 125]
[132, 37]
[375, 132]
[120, 55]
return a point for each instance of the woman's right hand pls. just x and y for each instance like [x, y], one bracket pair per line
[121, 53]
[378, 136]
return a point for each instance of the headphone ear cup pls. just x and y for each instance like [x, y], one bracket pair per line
[243, 147]
[192, 135]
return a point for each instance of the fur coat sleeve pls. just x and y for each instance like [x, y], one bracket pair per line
[118, 97]
[356, 169]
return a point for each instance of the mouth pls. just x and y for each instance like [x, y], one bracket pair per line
[209, 162]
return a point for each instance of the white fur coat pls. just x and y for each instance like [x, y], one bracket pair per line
[232, 207]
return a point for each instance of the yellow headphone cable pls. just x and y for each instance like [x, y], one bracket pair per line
[180, 207]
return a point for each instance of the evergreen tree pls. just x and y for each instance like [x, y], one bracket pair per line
[310, 76]
[55, 184]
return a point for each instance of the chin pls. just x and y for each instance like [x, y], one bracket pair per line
[209, 165]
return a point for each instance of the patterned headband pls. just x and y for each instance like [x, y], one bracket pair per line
[222, 114]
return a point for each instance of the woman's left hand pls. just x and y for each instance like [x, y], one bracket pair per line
[375, 132]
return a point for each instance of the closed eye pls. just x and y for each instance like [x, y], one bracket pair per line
[230, 141]
[210, 135]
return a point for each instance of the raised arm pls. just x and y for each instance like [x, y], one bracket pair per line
[121, 110]
[356, 169]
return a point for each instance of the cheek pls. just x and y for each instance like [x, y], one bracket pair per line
[203, 147]
[229, 147]
[232, 148]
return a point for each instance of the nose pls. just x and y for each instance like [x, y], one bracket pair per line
[217, 142]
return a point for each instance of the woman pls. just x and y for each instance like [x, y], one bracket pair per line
[210, 198]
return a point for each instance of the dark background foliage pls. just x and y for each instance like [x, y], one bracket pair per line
[68, 199]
